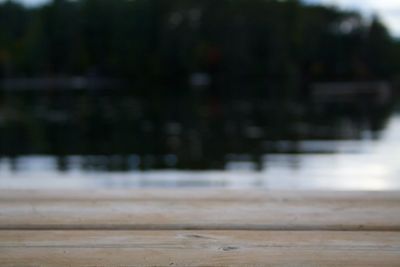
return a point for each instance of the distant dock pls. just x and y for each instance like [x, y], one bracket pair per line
[376, 92]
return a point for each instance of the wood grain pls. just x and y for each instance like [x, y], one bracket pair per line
[198, 248]
[200, 210]
[199, 228]
[196, 194]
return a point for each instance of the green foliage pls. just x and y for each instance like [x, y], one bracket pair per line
[277, 43]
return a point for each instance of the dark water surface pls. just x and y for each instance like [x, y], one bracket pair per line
[117, 139]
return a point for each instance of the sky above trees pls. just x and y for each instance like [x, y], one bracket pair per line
[387, 10]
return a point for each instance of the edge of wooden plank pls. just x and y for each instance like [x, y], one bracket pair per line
[201, 227]
[199, 248]
[191, 194]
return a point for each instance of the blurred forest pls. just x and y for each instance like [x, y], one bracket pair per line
[205, 79]
[273, 44]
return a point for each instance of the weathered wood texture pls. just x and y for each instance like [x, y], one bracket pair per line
[199, 228]
[200, 210]
[198, 248]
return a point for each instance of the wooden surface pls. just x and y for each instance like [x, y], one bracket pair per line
[199, 228]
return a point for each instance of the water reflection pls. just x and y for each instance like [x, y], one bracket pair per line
[114, 138]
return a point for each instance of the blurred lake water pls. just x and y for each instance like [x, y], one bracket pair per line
[117, 139]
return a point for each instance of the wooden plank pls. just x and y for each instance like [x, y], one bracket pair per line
[198, 248]
[196, 194]
[198, 209]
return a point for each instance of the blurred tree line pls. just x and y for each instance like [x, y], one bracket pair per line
[258, 44]
[207, 78]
